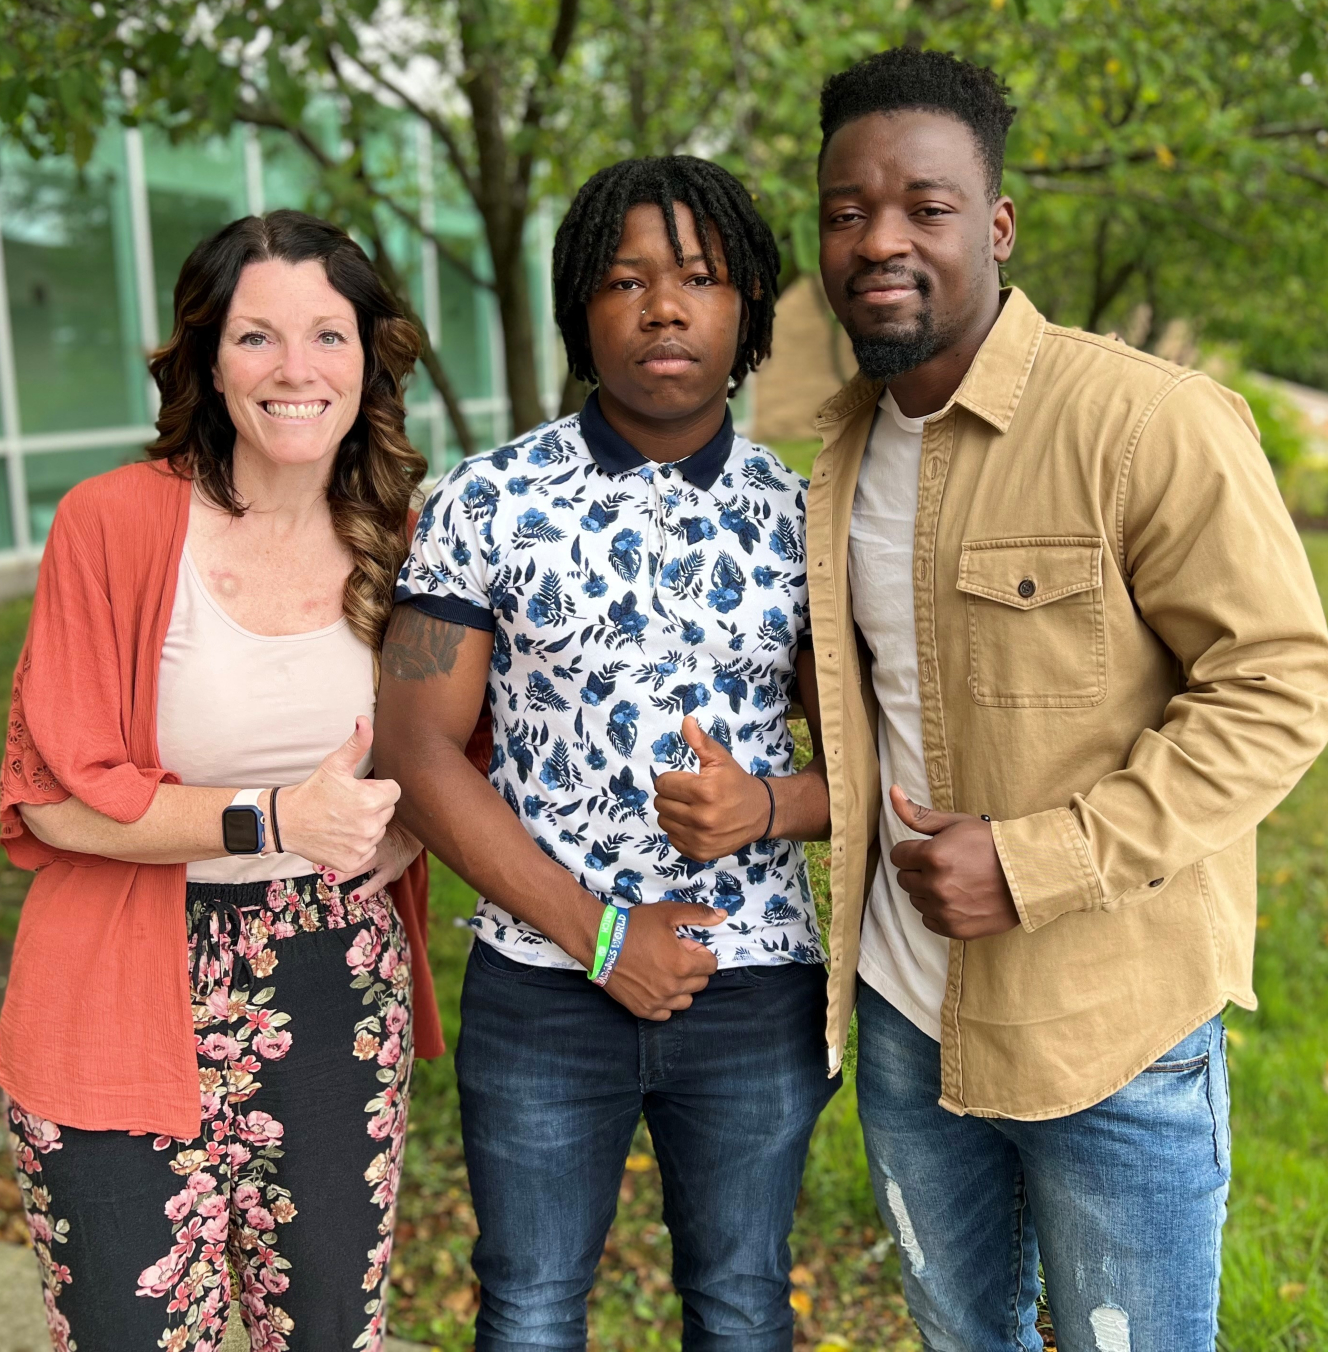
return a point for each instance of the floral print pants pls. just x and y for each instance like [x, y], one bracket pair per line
[302, 1020]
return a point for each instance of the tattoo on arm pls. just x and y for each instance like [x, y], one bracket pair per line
[418, 646]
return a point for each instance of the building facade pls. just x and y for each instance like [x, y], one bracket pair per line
[87, 272]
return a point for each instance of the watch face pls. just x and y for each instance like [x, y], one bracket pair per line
[239, 830]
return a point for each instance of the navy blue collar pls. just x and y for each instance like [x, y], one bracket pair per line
[614, 454]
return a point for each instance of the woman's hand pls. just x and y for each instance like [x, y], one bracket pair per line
[396, 851]
[334, 819]
[715, 813]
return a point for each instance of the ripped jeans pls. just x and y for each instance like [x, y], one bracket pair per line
[1122, 1203]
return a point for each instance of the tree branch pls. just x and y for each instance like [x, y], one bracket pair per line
[1105, 159]
[1319, 180]
[559, 45]
[1105, 289]
[1147, 199]
[439, 242]
[402, 212]
[440, 127]
[383, 265]
[385, 268]
[1275, 130]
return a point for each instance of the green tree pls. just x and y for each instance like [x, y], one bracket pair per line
[504, 86]
[1170, 157]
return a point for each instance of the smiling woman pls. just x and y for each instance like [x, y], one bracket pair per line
[230, 1082]
[309, 354]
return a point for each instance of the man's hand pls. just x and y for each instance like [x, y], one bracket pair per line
[955, 879]
[658, 972]
[715, 812]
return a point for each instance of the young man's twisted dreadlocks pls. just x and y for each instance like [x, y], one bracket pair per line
[589, 235]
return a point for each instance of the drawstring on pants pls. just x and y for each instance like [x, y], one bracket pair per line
[219, 916]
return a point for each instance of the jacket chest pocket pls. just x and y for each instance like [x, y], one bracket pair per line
[1036, 627]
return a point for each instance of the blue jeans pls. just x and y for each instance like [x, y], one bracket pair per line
[554, 1075]
[1123, 1203]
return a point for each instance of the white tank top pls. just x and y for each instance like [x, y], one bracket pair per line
[253, 710]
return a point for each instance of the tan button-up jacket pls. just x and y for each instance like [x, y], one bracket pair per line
[1122, 659]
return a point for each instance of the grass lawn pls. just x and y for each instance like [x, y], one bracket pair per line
[1275, 1287]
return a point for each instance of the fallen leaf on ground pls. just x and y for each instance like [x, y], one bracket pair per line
[801, 1302]
[1291, 1290]
[461, 1302]
[640, 1164]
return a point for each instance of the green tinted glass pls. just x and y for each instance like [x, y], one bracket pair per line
[193, 190]
[69, 269]
[52, 474]
[6, 507]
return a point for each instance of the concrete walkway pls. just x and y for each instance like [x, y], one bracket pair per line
[23, 1321]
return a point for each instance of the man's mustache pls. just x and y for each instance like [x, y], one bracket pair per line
[854, 285]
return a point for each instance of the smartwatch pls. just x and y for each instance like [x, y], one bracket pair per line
[242, 825]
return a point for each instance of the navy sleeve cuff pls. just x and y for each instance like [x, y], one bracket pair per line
[450, 608]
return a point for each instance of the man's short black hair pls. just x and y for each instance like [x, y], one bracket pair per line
[904, 77]
[590, 233]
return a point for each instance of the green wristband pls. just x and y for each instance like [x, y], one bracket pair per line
[603, 940]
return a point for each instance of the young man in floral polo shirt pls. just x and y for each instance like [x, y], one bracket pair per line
[627, 588]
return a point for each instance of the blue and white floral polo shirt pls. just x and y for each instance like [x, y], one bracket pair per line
[623, 595]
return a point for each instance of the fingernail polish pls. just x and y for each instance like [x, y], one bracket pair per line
[355, 896]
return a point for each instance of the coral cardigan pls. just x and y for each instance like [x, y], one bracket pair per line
[97, 1029]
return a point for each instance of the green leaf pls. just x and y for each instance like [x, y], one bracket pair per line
[1305, 56]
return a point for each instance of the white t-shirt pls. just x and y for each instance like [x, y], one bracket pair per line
[253, 710]
[899, 958]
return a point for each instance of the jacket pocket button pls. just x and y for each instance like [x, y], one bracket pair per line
[1027, 587]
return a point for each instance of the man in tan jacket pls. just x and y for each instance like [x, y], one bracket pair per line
[1069, 654]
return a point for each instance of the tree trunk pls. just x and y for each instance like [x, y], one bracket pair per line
[429, 358]
[513, 291]
[500, 186]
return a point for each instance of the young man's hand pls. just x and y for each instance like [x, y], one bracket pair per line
[955, 879]
[716, 811]
[659, 971]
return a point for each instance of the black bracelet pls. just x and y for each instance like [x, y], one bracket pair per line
[770, 825]
[272, 812]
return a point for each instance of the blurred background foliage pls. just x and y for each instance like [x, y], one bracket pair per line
[1170, 166]
[1169, 159]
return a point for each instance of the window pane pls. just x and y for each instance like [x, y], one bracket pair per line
[193, 190]
[420, 425]
[6, 510]
[463, 316]
[68, 262]
[289, 178]
[53, 474]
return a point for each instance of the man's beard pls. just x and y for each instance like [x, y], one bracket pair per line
[885, 356]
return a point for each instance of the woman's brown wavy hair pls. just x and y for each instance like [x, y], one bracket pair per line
[376, 470]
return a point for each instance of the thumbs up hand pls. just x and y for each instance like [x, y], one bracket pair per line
[716, 811]
[954, 878]
[335, 819]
